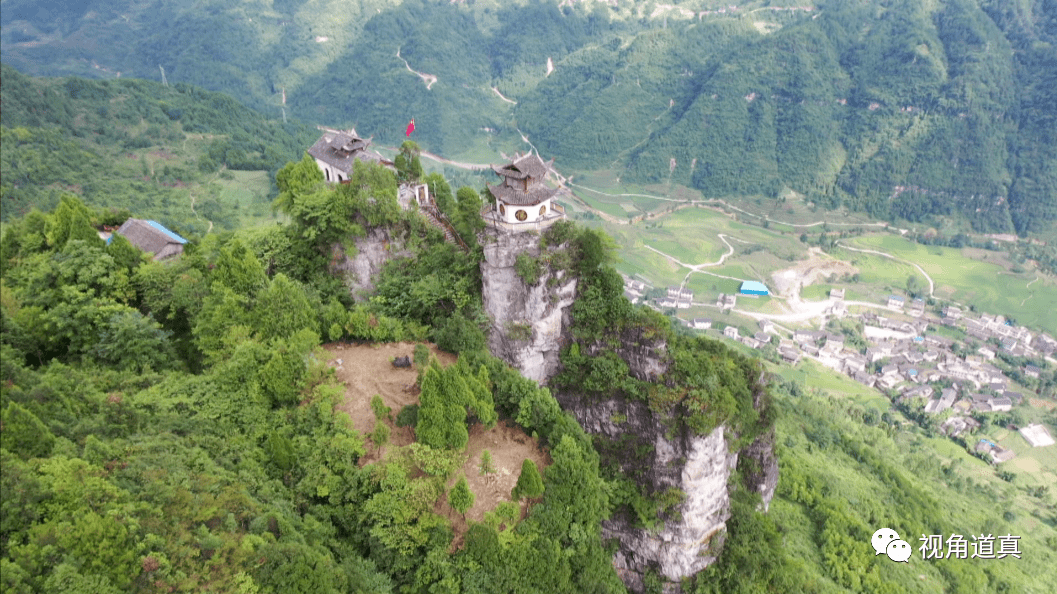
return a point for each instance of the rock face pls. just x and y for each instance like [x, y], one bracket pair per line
[699, 466]
[529, 325]
[527, 321]
[372, 252]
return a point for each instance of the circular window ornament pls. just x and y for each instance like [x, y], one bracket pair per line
[543, 210]
[520, 215]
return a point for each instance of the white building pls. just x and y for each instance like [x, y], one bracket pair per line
[523, 201]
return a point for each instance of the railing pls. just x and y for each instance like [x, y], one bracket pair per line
[490, 215]
[442, 219]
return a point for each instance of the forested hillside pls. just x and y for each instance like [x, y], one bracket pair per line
[891, 107]
[163, 152]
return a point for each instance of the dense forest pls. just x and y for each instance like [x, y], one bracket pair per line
[173, 425]
[893, 108]
[134, 146]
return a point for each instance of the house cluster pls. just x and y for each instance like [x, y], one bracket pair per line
[677, 297]
[1015, 340]
[635, 290]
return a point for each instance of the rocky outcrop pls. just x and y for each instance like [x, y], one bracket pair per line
[761, 474]
[699, 466]
[371, 252]
[527, 321]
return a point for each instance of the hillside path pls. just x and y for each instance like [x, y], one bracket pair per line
[429, 79]
[932, 286]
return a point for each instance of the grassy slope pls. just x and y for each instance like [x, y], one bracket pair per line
[990, 287]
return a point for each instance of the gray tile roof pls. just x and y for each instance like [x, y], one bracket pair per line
[152, 237]
[516, 197]
[340, 150]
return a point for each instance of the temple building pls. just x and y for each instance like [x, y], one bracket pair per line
[523, 200]
[336, 151]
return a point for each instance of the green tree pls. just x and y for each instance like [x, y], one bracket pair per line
[124, 253]
[238, 269]
[71, 220]
[24, 433]
[294, 179]
[441, 192]
[487, 466]
[529, 482]
[132, 341]
[408, 166]
[460, 497]
[468, 219]
[283, 309]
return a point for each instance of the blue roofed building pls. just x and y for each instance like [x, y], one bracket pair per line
[152, 237]
[754, 288]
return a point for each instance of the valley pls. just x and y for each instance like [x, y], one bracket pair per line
[790, 280]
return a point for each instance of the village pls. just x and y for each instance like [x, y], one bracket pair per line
[954, 380]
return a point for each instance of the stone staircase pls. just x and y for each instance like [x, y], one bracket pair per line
[438, 220]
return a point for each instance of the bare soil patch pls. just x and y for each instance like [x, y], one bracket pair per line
[1040, 403]
[817, 267]
[510, 447]
[366, 370]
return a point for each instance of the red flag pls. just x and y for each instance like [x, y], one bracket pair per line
[410, 127]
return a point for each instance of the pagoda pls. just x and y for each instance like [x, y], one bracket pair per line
[522, 199]
[337, 150]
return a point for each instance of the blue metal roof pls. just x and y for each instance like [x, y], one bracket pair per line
[162, 228]
[754, 287]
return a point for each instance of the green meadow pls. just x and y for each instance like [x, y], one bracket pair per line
[989, 287]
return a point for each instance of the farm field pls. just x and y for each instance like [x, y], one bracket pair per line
[815, 376]
[988, 286]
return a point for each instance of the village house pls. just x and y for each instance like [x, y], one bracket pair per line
[896, 302]
[854, 364]
[945, 401]
[152, 237]
[730, 332]
[864, 378]
[834, 343]
[701, 323]
[1031, 371]
[726, 301]
[762, 337]
[750, 342]
[952, 312]
[916, 392]
[836, 293]
[806, 336]
[1001, 404]
[955, 426]
[998, 453]
[917, 307]
[791, 356]
[522, 199]
[630, 296]
[767, 326]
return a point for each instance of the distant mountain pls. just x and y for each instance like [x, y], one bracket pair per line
[887, 107]
[156, 151]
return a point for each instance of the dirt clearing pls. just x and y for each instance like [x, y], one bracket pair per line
[818, 266]
[366, 370]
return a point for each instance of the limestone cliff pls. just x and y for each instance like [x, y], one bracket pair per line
[527, 321]
[367, 257]
[699, 466]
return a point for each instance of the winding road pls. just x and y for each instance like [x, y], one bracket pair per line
[932, 286]
[429, 79]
